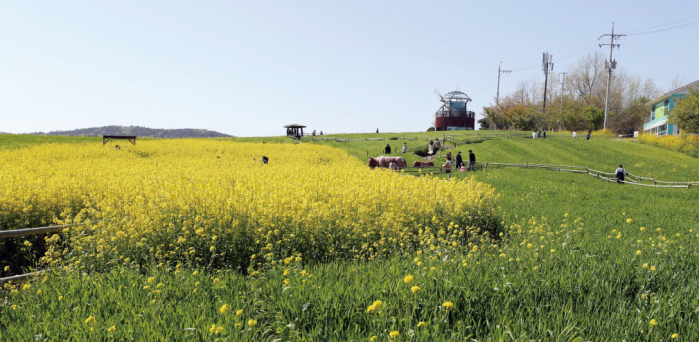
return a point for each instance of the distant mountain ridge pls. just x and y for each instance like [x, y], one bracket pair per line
[140, 132]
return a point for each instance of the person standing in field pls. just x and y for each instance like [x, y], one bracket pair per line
[430, 149]
[405, 148]
[575, 134]
[587, 137]
[471, 161]
[447, 166]
[459, 161]
[534, 134]
[437, 146]
[387, 149]
[620, 174]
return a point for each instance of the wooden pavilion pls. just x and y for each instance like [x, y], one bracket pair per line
[294, 130]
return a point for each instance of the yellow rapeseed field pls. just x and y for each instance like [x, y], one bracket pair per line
[213, 203]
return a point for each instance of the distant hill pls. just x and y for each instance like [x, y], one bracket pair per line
[140, 132]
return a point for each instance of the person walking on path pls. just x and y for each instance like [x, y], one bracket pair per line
[620, 174]
[575, 134]
[387, 149]
[471, 161]
[587, 137]
[534, 134]
[405, 148]
[430, 149]
[437, 146]
[459, 161]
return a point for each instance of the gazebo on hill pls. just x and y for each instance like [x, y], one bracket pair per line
[294, 130]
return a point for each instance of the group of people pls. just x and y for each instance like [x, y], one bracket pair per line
[460, 162]
[314, 132]
[434, 147]
[540, 134]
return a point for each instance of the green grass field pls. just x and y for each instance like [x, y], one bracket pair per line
[580, 260]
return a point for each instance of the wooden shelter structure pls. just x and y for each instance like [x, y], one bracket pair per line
[294, 130]
[130, 138]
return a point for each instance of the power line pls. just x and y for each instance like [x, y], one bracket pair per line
[667, 29]
[671, 23]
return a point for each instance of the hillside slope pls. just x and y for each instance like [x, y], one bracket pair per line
[141, 132]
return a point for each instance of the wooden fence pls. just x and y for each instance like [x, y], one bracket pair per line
[31, 231]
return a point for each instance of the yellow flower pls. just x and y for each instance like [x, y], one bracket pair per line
[645, 265]
[652, 268]
[674, 336]
[151, 280]
[653, 322]
[643, 228]
[638, 252]
[90, 320]
[394, 334]
[215, 329]
[111, 329]
[415, 289]
[553, 251]
[448, 305]
[13, 307]
[7, 268]
[239, 312]
[60, 298]
[252, 323]
[224, 309]
[408, 279]
[629, 220]
[195, 273]
[373, 338]
[421, 324]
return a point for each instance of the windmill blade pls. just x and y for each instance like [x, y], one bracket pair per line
[438, 94]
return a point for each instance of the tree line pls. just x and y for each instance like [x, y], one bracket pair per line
[578, 102]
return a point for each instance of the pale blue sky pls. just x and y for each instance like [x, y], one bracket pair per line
[247, 68]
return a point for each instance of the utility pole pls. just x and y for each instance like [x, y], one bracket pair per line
[609, 65]
[560, 110]
[546, 66]
[497, 97]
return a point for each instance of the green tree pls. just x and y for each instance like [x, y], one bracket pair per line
[594, 117]
[686, 112]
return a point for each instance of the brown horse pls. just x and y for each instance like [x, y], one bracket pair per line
[423, 164]
[384, 161]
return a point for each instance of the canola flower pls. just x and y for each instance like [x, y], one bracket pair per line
[394, 334]
[202, 201]
[448, 305]
[415, 289]
[252, 323]
[224, 309]
[408, 279]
